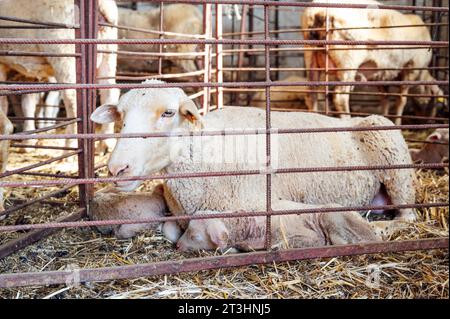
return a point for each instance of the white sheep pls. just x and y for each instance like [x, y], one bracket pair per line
[345, 25]
[178, 18]
[287, 231]
[6, 128]
[170, 110]
[61, 68]
[283, 96]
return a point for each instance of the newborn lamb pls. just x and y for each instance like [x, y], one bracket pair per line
[288, 231]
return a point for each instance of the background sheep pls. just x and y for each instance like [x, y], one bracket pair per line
[283, 96]
[399, 60]
[61, 68]
[178, 18]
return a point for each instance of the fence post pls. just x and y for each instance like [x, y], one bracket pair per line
[85, 69]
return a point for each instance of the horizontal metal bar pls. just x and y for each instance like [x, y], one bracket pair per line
[46, 147]
[49, 128]
[13, 209]
[36, 235]
[40, 23]
[43, 163]
[44, 54]
[270, 42]
[272, 3]
[207, 263]
[249, 131]
[237, 214]
[56, 87]
[79, 181]
[56, 119]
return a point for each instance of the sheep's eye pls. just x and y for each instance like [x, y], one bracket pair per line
[195, 237]
[168, 113]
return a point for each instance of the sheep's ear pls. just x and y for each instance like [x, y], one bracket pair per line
[436, 136]
[105, 113]
[189, 111]
[218, 234]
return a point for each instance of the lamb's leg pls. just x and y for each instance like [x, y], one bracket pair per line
[335, 228]
[70, 102]
[107, 69]
[346, 228]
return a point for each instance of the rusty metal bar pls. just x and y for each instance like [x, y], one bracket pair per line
[208, 263]
[268, 238]
[236, 214]
[222, 132]
[10, 210]
[42, 163]
[45, 24]
[305, 4]
[324, 169]
[36, 235]
[210, 41]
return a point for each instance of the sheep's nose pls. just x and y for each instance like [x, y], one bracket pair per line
[118, 170]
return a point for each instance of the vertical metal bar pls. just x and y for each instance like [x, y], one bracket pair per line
[207, 47]
[81, 65]
[327, 94]
[219, 56]
[268, 241]
[240, 62]
[161, 36]
[277, 36]
[252, 58]
[86, 72]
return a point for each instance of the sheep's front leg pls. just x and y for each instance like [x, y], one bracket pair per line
[400, 104]
[384, 100]
[6, 128]
[51, 107]
[3, 98]
[342, 93]
[29, 102]
[107, 71]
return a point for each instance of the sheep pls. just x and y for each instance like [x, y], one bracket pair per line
[61, 68]
[398, 61]
[436, 151]
[287, 231]
[178, 18]
[148, 110]
[6, 128]
[283, 96]
[109, 204]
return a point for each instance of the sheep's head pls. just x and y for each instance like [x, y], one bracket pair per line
[149, 110]
[206, 234]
